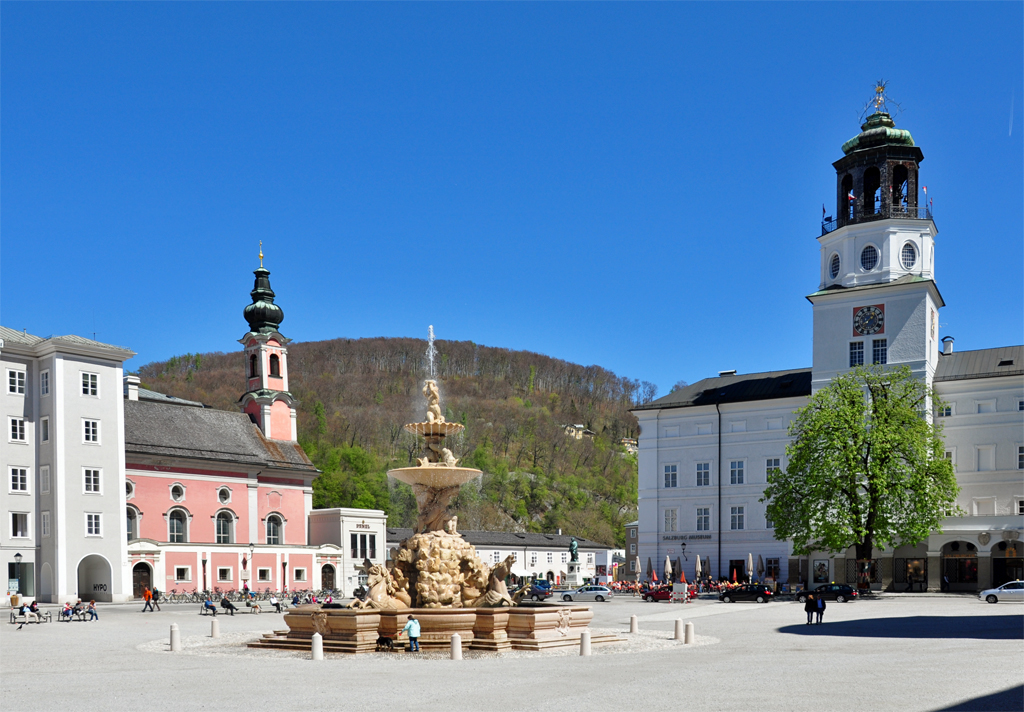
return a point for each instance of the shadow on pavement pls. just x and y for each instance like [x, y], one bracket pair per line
[978, 627]
[1005, 701]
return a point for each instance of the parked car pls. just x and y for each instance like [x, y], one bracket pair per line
[588, 593]
[838, 592]
[1012, 591]
[664, 594]
[748, 592]
[539, 593]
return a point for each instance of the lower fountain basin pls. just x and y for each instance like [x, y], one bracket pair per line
[435, 476]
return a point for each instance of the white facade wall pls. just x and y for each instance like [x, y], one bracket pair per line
[337, 526]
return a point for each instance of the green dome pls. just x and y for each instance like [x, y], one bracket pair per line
[263, 315]
[878, 130]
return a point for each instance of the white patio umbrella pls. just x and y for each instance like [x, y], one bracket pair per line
[668, 569]
[750, 567]
[697, 565]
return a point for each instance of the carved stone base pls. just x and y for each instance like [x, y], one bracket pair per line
[343, 630]
[489, 632]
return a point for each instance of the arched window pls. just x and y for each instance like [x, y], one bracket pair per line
[872, 191]
[275, 365]
[225, 528]
[177, 527]
[900, 188]
[846, 202]
[273, 529]
[252, 367]
[133, 523]
[833, 267]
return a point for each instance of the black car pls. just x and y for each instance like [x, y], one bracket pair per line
[749, 592]
[539, 593]
[838, 592]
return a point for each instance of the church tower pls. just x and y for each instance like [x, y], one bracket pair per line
[267, 400]
[877, 302]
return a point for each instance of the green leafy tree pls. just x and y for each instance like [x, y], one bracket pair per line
[866, 467]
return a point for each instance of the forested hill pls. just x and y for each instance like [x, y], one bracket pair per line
[355, 395]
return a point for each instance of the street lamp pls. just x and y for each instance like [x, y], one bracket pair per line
[17, 569]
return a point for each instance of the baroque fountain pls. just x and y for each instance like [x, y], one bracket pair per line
[435, 574]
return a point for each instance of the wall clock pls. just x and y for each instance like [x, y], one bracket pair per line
[869, 320]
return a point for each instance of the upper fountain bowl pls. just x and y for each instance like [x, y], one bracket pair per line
[435, 476]
[434, 428]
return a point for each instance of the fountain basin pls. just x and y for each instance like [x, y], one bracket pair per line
[434, 429]
[435, 476]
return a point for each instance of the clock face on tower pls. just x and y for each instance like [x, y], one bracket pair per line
[869, 320]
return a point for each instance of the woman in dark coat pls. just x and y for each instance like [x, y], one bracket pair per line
[810, 606]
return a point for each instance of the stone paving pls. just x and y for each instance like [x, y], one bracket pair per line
[889, 653]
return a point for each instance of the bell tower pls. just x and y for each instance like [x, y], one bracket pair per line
[877, 302]
[267, 400]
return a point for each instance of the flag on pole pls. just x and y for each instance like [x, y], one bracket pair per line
[850, 196]
[822, 211]
[926, 190]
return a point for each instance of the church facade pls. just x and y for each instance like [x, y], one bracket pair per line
[705, 450]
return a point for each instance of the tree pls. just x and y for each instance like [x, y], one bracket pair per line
[866, 467]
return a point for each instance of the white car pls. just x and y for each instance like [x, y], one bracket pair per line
[588, 593]
[1012, 591]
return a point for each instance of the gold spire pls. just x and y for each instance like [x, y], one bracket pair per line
[261, 254]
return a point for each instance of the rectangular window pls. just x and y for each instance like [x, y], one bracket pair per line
[632, 548]
[1020, 506]
[299, 574]
[1020, 457]
[16, 382]
[44, 383]
[45, 524]
[223, 573]
[17, 430]
[496, 557]
[671, 519]
[590, 558]
[262, 574]
[880, 351]
[565, 557]
[90, 384]
[632, 566]
[1020, 405]
[91, 431]
[987, 407]
[771, 568]
[92, 480]
[703, 474]
[550, 558]
[670, 476]
[632, 533]
[44, 430]
[44, 479]
[736, 472]
[533, 558]
[92, 525]
[736, 521]
[768, 523]
[371, 550]
[945, 411]
[703, 519]
[182, 573]
[856, 353]
[19, 479]
[19, 525]
[771, 465]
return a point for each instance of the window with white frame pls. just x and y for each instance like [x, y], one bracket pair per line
[44, 479]
[632, 533]
[671, 520]
[177, 492]
[15, 382]
[182, 573]
[533, 558]
[551, 558]
[1020, 457]
[177, 531]
[44, 383]
[880, 351]
[93, 524]
[19, 525]
[17, 430]
[944, 411]
[703, 474]
[951, 456]
[223, 573]
[1020, 405]
[590, 558]
[856, 354]
[632, 566]
[44, 523]
[736, 515]
[90, 384]
[632, 548]
[497, 557]
[90, 430]
[92, 480]
[671, 474]
[44, 430]
[771, 465]
[19, 479]
[736, 472]
[224, 495]
[299, 574]
[772, 568]
[1020, 506]
[274, 530]
[262, 574]
[988, 406]
[768, 523]
[703, 519]
[225, 525]
[565, 557]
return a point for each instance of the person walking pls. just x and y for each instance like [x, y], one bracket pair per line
[93, 615]
[820, 609]
[147, 596]
[156, 597]
[412, 627]
[810, 605]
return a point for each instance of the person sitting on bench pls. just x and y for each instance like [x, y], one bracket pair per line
[228, 605]
[208, 606]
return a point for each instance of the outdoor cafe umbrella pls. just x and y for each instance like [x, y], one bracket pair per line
[698, 567]
[650, 568]
[639, 569]
[668, 568]
[750, 567]
[760, 568]
[678, 568]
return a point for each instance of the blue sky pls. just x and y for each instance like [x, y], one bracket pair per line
[637, 186]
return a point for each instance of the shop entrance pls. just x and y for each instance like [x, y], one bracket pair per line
[141, 578]
[737, 570]
[327, 577]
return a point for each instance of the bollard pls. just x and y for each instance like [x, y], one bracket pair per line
[585, 643]
[679, 629]
[175, 638]
[689, 634]
[214, 627]
[456, 646]
[317, 647]
[633, 626]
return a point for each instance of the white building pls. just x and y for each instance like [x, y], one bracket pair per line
[705, 450]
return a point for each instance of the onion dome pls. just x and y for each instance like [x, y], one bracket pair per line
[263, 315]
[878, 130]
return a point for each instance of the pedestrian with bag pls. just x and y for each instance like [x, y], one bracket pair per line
[820, 609]
[810, 605]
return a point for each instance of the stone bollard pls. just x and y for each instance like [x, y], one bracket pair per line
[316, 648]
[634, 627]
[175, 638]
[679, 629]
[214, 627]
[456, 646]
[585, 643]
[689, 634]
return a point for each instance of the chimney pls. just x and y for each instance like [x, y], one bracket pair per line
[947, 345]
[731, 372]
[559, 532]
[131, 384]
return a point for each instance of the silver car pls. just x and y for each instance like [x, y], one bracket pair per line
[588, 593]
[1012, 591]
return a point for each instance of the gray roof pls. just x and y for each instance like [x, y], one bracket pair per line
[737, 388]
[509, 540]
[983, 363]
[152, 428]
[146, 394]
[23, 337]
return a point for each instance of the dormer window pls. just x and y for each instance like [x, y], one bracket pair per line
[275, 365]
